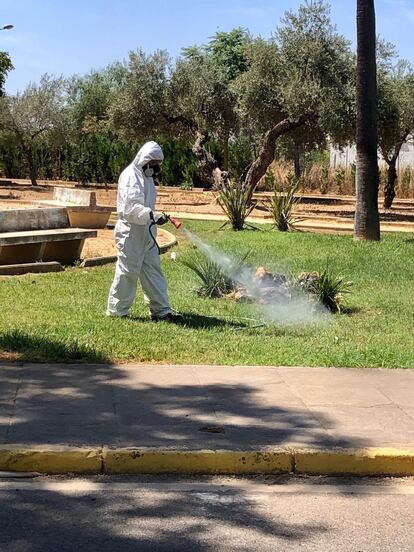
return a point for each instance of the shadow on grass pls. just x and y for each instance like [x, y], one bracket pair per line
[40, 348]
[350, 310]
[198, 321]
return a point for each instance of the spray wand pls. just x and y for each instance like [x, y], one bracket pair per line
[173, 221]
[176, 223]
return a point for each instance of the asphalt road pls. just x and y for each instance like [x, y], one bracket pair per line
[208, 514]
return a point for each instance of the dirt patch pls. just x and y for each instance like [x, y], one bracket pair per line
[104, 244]
[101, 246]
[9, 356]
[314, 209]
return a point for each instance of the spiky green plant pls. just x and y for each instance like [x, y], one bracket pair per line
[329, 287]
[214, 282]
[281, 208]
[236, 202]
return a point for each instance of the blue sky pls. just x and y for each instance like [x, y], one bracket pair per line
[74, 36]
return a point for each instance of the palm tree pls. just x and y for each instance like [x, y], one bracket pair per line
[367, 226]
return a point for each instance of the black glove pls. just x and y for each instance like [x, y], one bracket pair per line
[160, 219]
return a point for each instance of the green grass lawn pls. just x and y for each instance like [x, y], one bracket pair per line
[62, 316]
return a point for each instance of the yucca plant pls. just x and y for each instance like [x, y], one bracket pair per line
[214, 281]
[329, 287]
[281, 207]
[236, 202]
[332, 287]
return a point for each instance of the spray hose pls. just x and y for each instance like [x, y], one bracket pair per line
[176, 223]
[151, 233]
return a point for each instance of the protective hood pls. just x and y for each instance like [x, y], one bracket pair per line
[150, 151]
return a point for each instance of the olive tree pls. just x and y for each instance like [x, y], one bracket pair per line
[395, 113]
[226, 56]
[190, 98]
[29, 115]
[201, 101]
[93, 145]
[5, 66]
[139, 108]
[298, 81]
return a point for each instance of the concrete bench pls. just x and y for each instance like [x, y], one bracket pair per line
[35, 235]
[83, 211]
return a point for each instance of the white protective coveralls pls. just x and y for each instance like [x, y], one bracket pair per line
[138, 256]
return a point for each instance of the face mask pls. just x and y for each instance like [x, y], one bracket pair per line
[153, 170]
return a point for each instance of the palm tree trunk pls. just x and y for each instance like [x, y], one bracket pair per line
[367, 225]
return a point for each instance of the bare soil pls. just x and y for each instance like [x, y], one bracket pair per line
[104, 246]
[317, 209]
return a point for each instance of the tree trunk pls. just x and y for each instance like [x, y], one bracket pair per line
[207, 165]
[389, 189]
[296, 160]
[32, 166]
[59, 163]
[367, 225]
[206, 162]
[266, 155]
[226, 152]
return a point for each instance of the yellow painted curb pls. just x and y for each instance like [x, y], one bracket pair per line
[151, 461]
[62, 460]
[52, 460]
[375, 461]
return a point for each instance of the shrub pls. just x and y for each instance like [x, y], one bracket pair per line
[353, 177]
[240, 156]
[236, 202]
[329, 287]
[268, 181]
[214, 282]
[339, 178]
[281, 208]
[188, 175]
[405, 182]
[324, 182]
[179, 164]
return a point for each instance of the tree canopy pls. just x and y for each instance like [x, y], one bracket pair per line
[395, 111]
[221, 109]
[33, 113]
[296, 81]
[5, 67]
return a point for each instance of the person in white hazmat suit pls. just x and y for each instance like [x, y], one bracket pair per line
[138, 254]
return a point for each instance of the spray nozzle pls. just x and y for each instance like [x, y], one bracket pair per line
[173, 221]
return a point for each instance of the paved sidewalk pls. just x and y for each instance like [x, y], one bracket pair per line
[204, 407]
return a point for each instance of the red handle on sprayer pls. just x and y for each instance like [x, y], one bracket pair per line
[175, 222]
